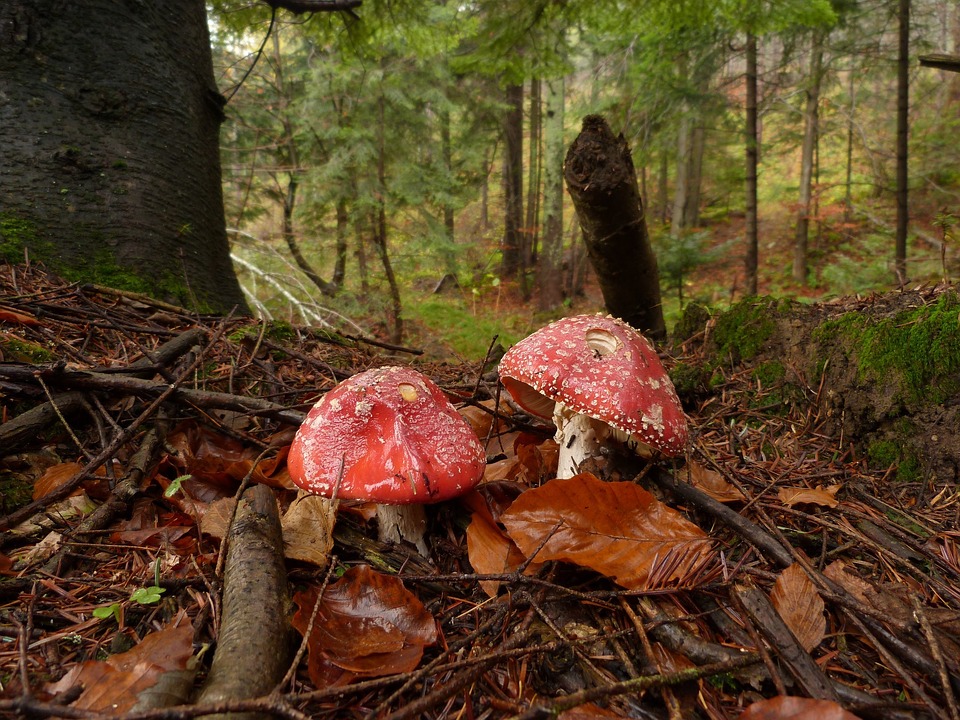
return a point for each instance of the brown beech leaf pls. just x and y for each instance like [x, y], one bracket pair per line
[368, 624]
[18, 318]
[784, 707]
[796, 600]
[617, 529]
[490, 551]
[113, 684]
[791, 496]
[712, 483]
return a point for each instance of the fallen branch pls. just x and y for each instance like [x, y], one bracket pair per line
[252, 644]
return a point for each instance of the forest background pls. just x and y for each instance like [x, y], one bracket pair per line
[398, 171]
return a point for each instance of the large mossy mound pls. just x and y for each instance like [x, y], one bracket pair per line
[882, 373]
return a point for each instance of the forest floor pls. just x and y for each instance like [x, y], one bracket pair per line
[780, 564]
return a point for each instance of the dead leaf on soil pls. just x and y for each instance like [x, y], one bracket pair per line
[368, 624]
[617, 529]
[796, 600]
[784, 707]
[490, 551]
[113, 684]
[826, 497]
[308, 529]
[712, 483]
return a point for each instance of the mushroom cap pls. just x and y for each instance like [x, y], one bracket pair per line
[399, 439]
[598, 366]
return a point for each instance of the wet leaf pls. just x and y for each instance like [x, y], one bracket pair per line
[785, 707]
[114, 684]
[368, 624]
[617, 529]
[713, 484]
[12, 316]
[796, 600]
[489, 549]
[816, 496]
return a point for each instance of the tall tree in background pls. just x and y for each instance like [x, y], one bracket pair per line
[512, 243]
[549, 262]
[903, 110]
[751, 141]
[109, 125]
[810, 134]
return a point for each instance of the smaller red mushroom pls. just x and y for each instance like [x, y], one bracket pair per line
[400, 444]
[601, 381]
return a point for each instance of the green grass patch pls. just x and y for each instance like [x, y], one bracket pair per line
[468, 335]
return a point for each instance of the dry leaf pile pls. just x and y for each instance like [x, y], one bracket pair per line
[766, 575]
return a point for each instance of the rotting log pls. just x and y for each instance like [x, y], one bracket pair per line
[253, 647]
[602, 181]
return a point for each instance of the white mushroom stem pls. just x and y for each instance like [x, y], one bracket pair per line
[577, 437]
[403, 522]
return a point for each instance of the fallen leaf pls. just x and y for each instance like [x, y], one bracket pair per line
[784, 707]
[712, 483]
[791, 496]
[113, 684]
[12, 316]
[490, 551]
[367, 625]
[796, 600]
[308, 529]
[617, 529]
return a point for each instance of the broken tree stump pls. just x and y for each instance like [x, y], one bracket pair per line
[603, 186]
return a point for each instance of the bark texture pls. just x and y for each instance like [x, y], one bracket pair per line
[252, 646]
[603, 186]
[110, 170]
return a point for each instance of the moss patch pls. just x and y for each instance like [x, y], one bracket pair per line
[15, 350]
[17, 234]
[919, 349]
[742, 331]
[882, 454]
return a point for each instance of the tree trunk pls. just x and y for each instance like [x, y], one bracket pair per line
[110, 164]
[512, 183]
[903, 107]
[603, 186]
[698, 139]
[394, 316]
[343, 226]
[663, 193]
[810, 131]
[752, 154]
[530, 226]
[549, 282]
[681, 184]
[851, 110]
[449, 218]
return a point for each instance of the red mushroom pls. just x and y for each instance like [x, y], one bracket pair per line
[600, 380]
[400, 443]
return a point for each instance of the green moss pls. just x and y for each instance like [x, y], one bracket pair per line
[16, 234]
[15, 350]
[921, 346]
[845, 327]
[741, 331]
[689, 379]
[277, 331]
[15, 491]
[693, 321]
[883, 454]
[769, 374]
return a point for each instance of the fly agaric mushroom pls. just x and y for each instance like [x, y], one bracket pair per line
[600, 380]
[400, 444]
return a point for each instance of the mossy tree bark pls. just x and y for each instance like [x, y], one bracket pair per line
[110, 170]
[603, 186]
